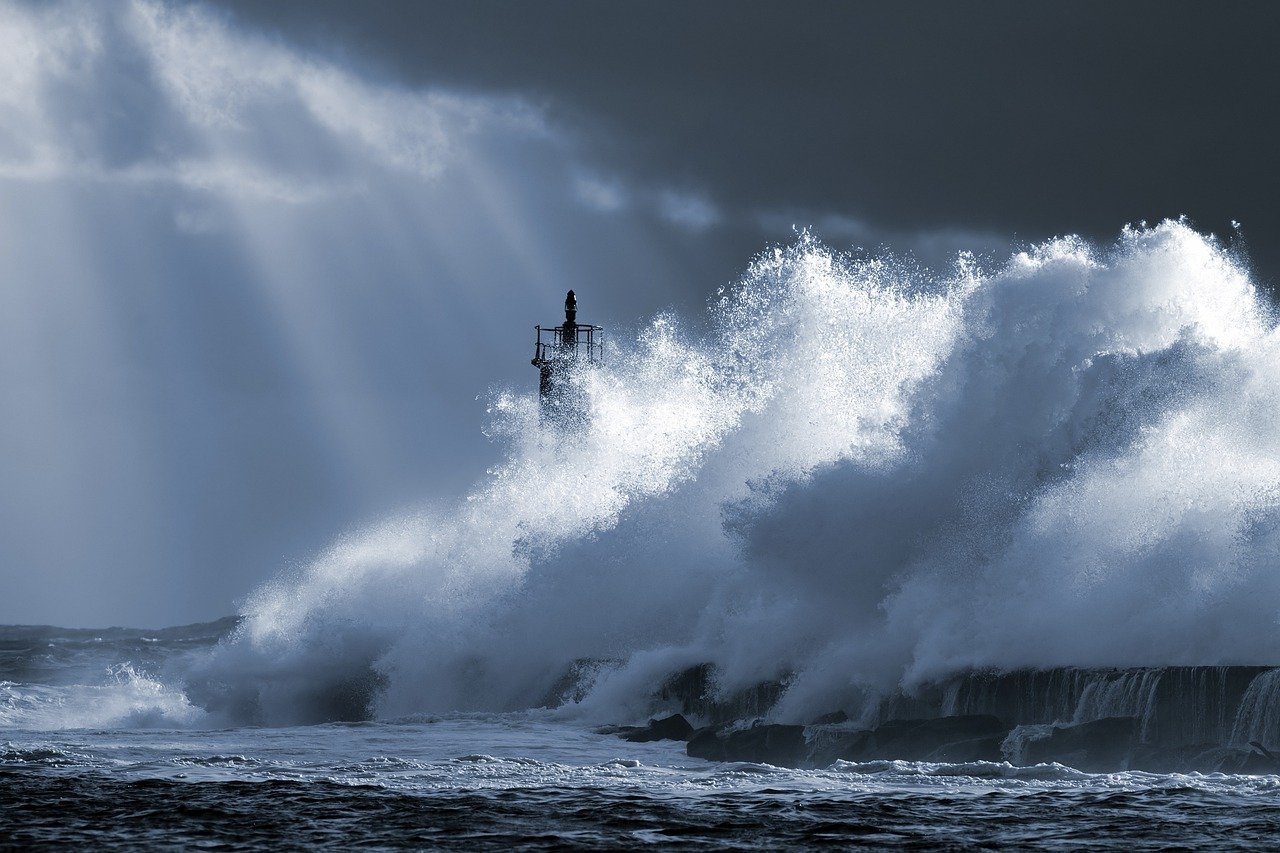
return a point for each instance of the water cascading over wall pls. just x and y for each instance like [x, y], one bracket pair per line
[1176, 705]
[1258, 717]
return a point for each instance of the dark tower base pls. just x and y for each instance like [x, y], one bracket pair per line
[559, 354]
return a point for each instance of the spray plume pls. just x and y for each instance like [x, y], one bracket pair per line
[866, 474]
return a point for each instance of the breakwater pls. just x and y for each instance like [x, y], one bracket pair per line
[1164, 719]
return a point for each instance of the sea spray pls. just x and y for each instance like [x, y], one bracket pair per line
[867, 475]
[123, 697]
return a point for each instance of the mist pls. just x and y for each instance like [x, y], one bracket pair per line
[252, 298]
[866, 477]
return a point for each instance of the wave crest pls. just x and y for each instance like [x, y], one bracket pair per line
[865, 474]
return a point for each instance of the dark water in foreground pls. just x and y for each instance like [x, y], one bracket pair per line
[100, 748]
[545, 783]
[110, 813]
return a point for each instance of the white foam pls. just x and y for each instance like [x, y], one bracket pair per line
[866, 474]
[126, 699]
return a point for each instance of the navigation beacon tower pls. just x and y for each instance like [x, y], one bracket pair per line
[558, 352]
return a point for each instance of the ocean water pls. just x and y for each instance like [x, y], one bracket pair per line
[858, 476]
[96, 752]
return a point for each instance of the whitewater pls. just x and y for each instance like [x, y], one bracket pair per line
[855, 478]
[866, 474]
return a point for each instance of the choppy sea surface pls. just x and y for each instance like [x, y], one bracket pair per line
[97, 749]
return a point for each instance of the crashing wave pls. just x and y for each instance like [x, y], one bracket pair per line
[866, 476]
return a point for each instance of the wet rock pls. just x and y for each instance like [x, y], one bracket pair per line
[620, 731]
[826, 745]
[1260, 765]
[833, 719]
[1098, 746]
[575, 682]
[689, 687]
[965, 751]
[707, 743]
[770, 743]
[675, 727]
[918, 740]
[1206, 758]
[1227, 759]
[956, 739]
[1261, 760]
[1221, 759]
[1197, 758]
[781, 745]
[1257, 760]
[693, 690]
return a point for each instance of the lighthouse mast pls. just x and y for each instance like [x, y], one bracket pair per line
[557, 352]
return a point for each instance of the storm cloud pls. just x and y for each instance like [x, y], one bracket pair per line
[1003, 118]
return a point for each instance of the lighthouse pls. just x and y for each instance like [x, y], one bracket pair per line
[558, 353]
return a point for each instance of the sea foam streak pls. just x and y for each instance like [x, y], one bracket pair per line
[866, 474]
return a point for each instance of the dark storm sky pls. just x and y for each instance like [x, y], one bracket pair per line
[1017, 118]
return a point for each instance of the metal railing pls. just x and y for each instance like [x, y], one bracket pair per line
[579, 341]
